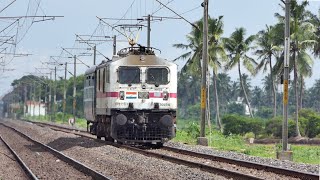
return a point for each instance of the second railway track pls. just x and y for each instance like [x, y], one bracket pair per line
[42, 161]
[229, 167]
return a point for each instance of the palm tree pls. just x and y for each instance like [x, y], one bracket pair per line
[302, 35]
[315, 100]
[238, 46]
[224, 90]
[194, 50]
[216, 52]
[235, 91]
[257, 96]
[192, 84]
[266, 42]
[315, 20]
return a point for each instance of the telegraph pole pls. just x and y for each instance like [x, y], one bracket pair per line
[46, 101]
[25, 102]
[50, 92]
[55, 93]
[149, 31]
[114, 45]
[202, 140]
[286, 154]
[74, 88]
[39, 99]
[64, 90]
[34, 94]
[94, 54]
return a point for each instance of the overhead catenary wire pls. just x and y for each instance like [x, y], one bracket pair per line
[178, 15]
[22, 27]
[127, 11]
[7, 6]
[92, 47]
[76, 57]
[161, 7]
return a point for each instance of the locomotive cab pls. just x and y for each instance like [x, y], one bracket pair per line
[135, 98]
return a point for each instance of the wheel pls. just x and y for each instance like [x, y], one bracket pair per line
[109, 139]
[159, 145]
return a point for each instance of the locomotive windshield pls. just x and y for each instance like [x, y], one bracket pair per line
[157, 76]
[129, 75]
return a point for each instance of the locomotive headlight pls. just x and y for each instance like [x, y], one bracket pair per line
[121, 95]
[165, 95]
[121, 119]
[166, 120]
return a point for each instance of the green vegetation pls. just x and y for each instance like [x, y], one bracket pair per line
[59, 119]
[238, 143]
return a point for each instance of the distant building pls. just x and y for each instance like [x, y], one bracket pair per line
[35, 108]
[240, 101]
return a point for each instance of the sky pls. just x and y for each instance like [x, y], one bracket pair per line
[46, 38]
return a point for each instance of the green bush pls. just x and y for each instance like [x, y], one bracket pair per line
[265, 112]
[309, 122]
[255, 125]
[235, 124]
[194, 111]
[193, 129]
[249, 135]
[234, 108]
[313, 127]
[274, 127]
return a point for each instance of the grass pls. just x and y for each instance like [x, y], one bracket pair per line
[236, 143]
[80, 122]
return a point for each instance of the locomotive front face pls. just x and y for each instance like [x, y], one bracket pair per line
[142, 99]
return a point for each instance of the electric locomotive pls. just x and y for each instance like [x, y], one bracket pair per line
[132, 98]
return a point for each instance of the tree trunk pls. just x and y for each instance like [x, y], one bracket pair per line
[301, 92]
[216, 101]
[297, 133]
[273, 90]
[244, 90]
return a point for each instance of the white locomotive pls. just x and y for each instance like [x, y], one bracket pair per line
[132, 98]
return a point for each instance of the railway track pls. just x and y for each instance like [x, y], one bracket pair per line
[22, 164]
[263, 167]
[41, 161]
[209, 168]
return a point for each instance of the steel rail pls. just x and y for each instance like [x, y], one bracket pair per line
[253, 165]
[23, 165]
[72, 162]
[203, 167]
[210, 169]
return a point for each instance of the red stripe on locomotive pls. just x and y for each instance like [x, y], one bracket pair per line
[116, 94]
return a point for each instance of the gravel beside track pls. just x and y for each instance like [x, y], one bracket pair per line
[42, 163]
[256, 173]
[9, 167]
[314, 169]
[115, 162]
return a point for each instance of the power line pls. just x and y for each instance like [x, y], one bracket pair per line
[161, 7]
[8, 5]
[65, 49]
[92, 46]
[178, 15]
[126, 11]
